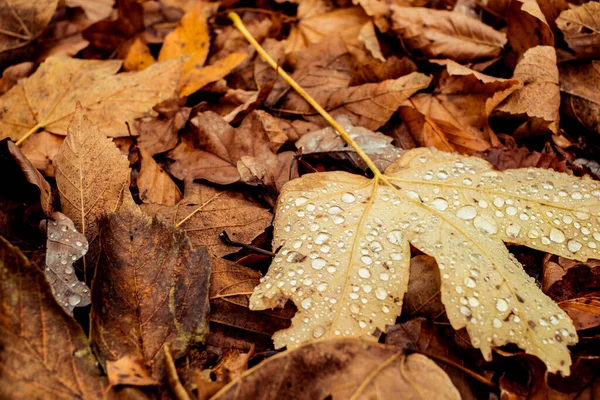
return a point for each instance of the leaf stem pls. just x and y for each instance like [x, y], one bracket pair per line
[29, 133]
[237, 22]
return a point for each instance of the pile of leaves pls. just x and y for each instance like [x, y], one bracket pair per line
[146, 148]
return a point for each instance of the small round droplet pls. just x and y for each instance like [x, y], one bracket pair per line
[318, 263]
[497, 323]
[318, 331]
[78, 243]
[466, 212]
[306, 303]
[440, 204]
[364, 273]
[485, 224]
[300, 200]
[499, 202]
[394, 237]
[321, 287]
[367, 260]
[322, 238]
[557, 236]
[74, 299]
[466, 311]
[511, 211]
[501, 305]
[335, 210]
[381, 293]
[348, 198]
[470, 282]
[513, 231]
[574, 246]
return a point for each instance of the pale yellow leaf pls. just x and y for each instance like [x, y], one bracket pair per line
[343, 249]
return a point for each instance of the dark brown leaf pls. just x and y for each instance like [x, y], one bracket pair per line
[150, 289]
[583, 310]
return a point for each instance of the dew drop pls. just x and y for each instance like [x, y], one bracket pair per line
[511, 211]
[367, 260]
[485, 225]
[318, 263]
[364, 273]
[440, 203]
[574, 246]
[501, 305]
[467, 212]
[497, 323]
[322, 238]
[473, 302]
[499, 202]
[335, 210]
[513, 231]
[68, 270]
[466, 311]
[306, 303]
[348, 198]
[384, 277]
[470, 282]
[442, 174]
[467, 181]
[557, 236]
[321, 287]
[300, 200]
[338, 220]
[381, 293]
[74, 299]
[394, 237]
[318, 332]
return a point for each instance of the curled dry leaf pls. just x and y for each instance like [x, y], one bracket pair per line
[327, 141]
[581, 99]
[150, 290]
[47, 98]
[583, 310]
[205, 212]
[581, 28]
[527, 27]
[368, 370]
[92, 177]
[369, 105]
[538, 100]
[65, 246]
[344, 250]
[154, 184]
[455, 116]
[194, 78]
[44, 351]
[22, 22]
[446, 34]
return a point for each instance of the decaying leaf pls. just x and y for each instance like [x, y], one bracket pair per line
[583, 310]
[527, 27]
[22, 21]
[128, 370]
[65, 246]
[446, 34]
[343, 368]
[205, 212]
[538, 100]
[581, 99]
[327, 141]
[423, 295]
[150, 289]
[581, 27]
[91, 175]
[343, 245]
[47, 98]
[44, 352]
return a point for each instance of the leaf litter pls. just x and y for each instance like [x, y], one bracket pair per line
[492, 79]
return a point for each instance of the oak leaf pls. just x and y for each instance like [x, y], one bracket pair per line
[344, 250]
[47, 98]
[205, 212]
[538, 100]
[65, 246]
[446, 34]
[44, 351]
[92, 177]
[581, 28]
[150, 290]
[368, 370]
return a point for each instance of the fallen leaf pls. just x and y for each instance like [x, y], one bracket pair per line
[92, 177]
[375, 71]
[327, 141]
[446, 34]
[527, 27]
[564, 279]
[138, 57]
[159, 134]
[22, 22]
[31, 174]
[367, 370]
[538, 100]
[150, 289]
[447, 206]
[581, 28]
[194, 77]
[205, 212]
[211, 148]
[455, 116]
[583, 310]
[154, 184]
[44, 351]
[368, 36]
[580, 100]
[369, 105]
[47, 98]
[65, 246]
[128, 370]
[41, 149]
[503, 159]
[94, 10]
[190, 36]
[423, 295]
[12, 74]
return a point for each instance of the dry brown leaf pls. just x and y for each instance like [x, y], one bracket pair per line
[581, 99]
[581, 28]
[138, 56]
[583, 310]
[47, 98]
[211, 148]
[154, 184]
[159, 134]
[209, 212]
[423, 296]
[503, 158]
[368, 36]
[367, 370]
[348, 237]
[375, 71]
[12, 74]
[128, 370]
[191, 36]
[527, 27]
[150, 290]
[65, 246]
[538, 100]
[194, 77]
[44, 351]
[22, 22]
[369, 105]
[92, 177]
[94, 10]
[327, 141]
[446, 34]
[455, 116]
[41, 149]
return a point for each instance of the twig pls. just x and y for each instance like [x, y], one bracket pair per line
[225, 238]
